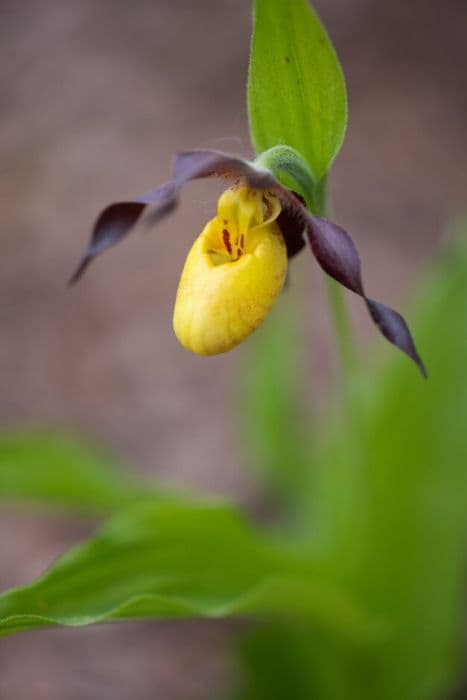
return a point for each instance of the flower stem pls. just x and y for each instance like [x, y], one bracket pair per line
[283, 160]
[337, 305]
[342, 328]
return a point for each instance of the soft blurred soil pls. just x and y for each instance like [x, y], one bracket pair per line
[95, 97]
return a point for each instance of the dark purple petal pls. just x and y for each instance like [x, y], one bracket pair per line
[117, 220]
[394, 328]
[161, 197]
[293, 228]
[191, 165]
[336, 253]
[112, 225]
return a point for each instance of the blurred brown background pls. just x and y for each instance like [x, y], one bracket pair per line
[95, 98]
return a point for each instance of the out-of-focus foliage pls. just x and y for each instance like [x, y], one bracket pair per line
[366, 599]
[274, 422]
[53, 469]
[296, 90]
[390, 500]
[388, 503]
[176, 560]
[362, 595]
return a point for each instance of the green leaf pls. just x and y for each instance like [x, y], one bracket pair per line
[387, 492]
[296, 90]
[276, 662]
[179, 560]
[390, 505]
[272, 412]
[57, 470]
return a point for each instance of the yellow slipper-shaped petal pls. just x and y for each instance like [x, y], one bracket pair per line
[233, 273]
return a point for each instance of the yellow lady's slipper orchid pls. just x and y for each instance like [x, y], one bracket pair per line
[233, 273]
[237, 266]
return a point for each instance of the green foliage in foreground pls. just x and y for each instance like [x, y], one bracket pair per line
[57, 470]
[364, 600]
[178, 560]
[387, 502]
[390, 498]
[361, 596]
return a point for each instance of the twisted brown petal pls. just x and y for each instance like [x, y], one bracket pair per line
[118, 219]
[336, 253]
[395, 329]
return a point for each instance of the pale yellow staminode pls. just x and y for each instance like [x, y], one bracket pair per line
[233, 273]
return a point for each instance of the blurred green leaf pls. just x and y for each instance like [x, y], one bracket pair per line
[273, 412]
[296, 90]
[179, 560]
[392, 498]
[275, 658]
[388, 503]
[57, 470]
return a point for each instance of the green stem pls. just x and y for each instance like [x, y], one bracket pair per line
[337, 305]
[342, 328]
[288, 161]
[320, 196]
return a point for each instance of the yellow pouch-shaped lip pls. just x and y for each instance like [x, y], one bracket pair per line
[233, 274]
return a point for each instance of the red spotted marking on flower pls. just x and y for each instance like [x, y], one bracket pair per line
[226, 239]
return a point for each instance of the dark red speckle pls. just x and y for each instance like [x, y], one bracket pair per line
[226, 239]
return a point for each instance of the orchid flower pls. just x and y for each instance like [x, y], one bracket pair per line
[237, 266]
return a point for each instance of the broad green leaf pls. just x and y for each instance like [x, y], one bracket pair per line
[296, 90]
[391, 501]
[56, 470]
[179, 560]
[388, 510]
